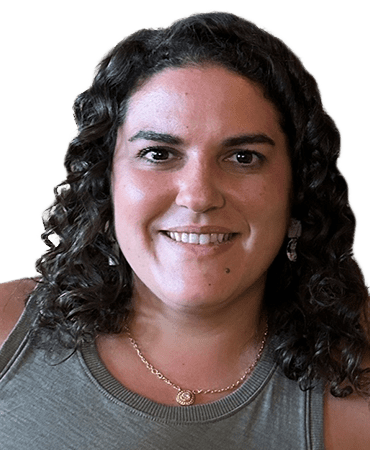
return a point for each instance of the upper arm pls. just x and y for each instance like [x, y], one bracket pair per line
[346, 423]
[347, 420]
[13, 297]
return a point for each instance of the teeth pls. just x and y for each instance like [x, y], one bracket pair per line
[204, 239]
[193, 238]
[199, 239]
[184, 238]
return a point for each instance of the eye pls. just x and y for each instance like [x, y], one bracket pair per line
[246, 158]
[156, 155]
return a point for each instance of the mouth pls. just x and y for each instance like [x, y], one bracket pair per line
[200, 238]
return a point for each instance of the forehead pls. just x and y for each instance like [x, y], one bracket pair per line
[201, 98]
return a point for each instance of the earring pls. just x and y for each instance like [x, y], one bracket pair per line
[294, 232]
[114, 260]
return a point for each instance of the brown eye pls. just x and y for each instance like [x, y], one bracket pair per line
[156, 155]
[244, 157]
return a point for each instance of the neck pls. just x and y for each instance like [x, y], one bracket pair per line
[199, 347]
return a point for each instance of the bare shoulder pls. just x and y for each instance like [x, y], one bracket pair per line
[347, 420]
[347, 423]
[13, 296]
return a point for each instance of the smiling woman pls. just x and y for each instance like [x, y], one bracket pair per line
[227, 175]
[199, 290]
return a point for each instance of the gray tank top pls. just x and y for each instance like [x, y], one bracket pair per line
[76, 404]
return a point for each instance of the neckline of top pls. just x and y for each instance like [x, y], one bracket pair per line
[225, 406]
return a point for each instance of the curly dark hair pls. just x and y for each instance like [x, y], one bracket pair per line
[316, 306]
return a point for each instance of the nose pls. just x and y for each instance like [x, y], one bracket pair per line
[199, 188]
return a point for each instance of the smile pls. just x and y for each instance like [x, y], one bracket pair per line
[199, 239]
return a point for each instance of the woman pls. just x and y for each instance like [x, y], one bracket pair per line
[199, 290]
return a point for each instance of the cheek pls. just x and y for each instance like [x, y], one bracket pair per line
[278, 187]
[137, 199]
[128, 199]
[265, 199]
[266, 208]
[128, 196]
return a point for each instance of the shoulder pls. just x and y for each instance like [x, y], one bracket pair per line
[13, 296]
[347, 422]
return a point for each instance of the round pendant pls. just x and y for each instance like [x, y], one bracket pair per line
[185, 398]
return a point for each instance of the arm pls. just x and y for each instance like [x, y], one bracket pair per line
[347, 420]
[13, 296]
[346, 423]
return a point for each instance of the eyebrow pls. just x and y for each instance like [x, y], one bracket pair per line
[157, 137]
[257, 138]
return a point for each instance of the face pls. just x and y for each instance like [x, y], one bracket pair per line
[201, 187]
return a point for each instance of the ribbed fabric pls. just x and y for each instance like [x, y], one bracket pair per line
[77, 404]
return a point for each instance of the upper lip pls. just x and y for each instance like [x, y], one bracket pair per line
[199, 229]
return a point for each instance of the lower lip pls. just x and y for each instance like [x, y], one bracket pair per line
[199, 249]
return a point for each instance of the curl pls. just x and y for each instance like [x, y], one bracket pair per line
[317, 306]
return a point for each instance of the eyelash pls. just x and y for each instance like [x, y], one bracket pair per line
[143, 154]
[260, 158]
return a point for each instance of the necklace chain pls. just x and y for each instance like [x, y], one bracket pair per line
[186, 397]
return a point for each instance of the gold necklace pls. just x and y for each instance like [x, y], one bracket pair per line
[186, 397]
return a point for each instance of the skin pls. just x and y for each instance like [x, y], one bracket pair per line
[199, 186]
[197, 307]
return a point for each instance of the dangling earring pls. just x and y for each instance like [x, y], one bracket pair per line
[294, 232]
